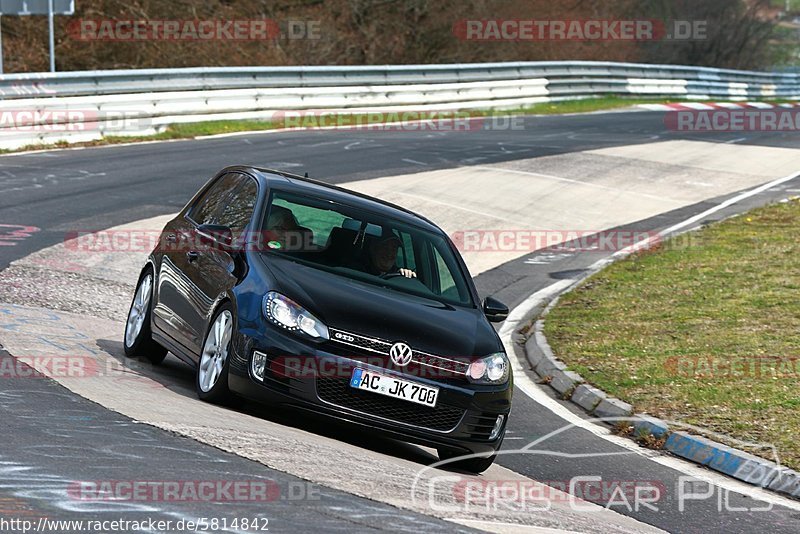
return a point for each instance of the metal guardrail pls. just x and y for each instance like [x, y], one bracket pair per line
[136, 102]
[210, 78]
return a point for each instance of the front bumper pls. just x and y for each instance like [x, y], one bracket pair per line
[314, 377]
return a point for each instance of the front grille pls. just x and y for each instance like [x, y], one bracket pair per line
[337, 391]
[370, 344]
[438, 362]
[381, 346]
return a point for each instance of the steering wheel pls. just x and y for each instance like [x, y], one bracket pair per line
[386, 276]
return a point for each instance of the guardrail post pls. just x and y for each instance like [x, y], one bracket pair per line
[52, 35]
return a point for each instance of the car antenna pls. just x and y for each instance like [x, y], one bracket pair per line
[306, 175]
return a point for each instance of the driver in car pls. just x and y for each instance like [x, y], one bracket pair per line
[382, 254]
[283, 231]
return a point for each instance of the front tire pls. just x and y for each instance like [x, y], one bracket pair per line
[212, 370]
[138, 340]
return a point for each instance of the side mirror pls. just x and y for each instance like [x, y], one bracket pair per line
[216, 234]
[494, 310]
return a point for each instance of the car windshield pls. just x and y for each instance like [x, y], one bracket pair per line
[364, 246]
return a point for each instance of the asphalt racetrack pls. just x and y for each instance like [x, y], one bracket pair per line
[591, 172]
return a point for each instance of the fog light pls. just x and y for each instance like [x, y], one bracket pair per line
[498, 426]
[257, 364]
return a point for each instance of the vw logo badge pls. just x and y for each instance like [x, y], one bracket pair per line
[401, 354]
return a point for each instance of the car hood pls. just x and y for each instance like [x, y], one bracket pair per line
[361, 308]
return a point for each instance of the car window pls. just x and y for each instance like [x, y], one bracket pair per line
[214, 198]
[237, 210]
[447, 285]
[319, 221]
[366, 246]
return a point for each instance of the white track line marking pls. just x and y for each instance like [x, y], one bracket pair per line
[529, 387]
[729, 202]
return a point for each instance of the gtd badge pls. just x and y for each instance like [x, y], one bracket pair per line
[401, 354]
[343, 337]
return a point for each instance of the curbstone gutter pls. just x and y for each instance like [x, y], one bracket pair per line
[571, 386]
[587, 397]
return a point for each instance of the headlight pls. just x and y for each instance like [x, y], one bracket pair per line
[492, 369]
[286, 313]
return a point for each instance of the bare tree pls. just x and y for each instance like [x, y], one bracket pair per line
[738, 33]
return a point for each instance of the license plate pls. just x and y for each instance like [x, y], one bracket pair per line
[394, 387]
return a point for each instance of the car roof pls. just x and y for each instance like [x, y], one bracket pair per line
[303, 185]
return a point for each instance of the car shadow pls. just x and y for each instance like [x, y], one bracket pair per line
[179, 377]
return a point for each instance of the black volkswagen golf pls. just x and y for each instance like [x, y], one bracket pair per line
[290, 291]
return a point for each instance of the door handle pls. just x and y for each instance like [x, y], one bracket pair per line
[171, 238]
[192, 256]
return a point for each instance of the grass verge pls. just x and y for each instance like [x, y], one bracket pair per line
[702, 329]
